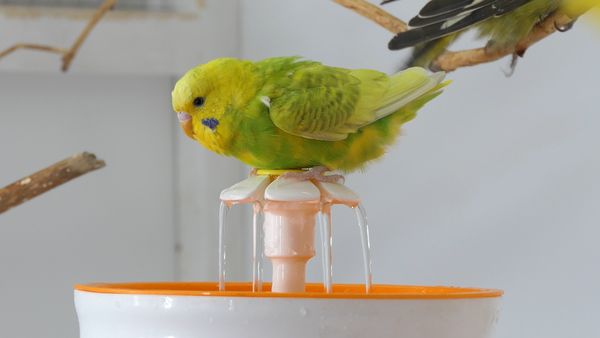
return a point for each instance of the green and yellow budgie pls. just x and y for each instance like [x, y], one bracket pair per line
[286, 112]
[502, 22]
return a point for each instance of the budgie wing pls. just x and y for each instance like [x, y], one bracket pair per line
[327, 103]
[440, 18]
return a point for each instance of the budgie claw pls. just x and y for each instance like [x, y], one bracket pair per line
[564, 28]
[316, 174]
[513, 64]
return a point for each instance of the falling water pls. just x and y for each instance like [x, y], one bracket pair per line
[326, 243]
[223, 210]
[363, 225]
[257, 251]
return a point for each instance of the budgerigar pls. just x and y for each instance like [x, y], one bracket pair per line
[286, 112]
[502, 22]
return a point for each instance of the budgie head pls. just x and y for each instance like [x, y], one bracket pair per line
[205, 95]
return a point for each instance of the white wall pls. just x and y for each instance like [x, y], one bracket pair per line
[495, 183]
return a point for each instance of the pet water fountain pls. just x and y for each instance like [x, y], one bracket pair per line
[286, 307]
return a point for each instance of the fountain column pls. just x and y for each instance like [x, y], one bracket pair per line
[289, 230]
[290, 211]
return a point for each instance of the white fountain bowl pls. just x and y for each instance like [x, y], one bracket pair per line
[197, 310]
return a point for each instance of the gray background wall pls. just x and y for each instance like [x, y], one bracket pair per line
[494, 184]
[110, 225]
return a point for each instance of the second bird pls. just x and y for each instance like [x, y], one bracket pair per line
[502, 22]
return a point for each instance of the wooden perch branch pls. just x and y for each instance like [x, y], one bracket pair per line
[375, 14]
[68, 54]
[61, 172]
[451, 61]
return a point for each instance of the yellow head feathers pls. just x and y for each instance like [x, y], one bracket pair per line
[204, 95]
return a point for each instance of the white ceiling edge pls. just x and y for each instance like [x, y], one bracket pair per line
[172, 6]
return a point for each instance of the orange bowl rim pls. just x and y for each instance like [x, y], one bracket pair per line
[313, 290]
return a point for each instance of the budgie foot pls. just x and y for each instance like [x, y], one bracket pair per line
[315, 174]
[491, 47]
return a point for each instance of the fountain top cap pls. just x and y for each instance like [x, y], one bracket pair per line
[265, 187]
[287, 190]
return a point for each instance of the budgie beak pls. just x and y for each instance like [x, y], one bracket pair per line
[185, 121]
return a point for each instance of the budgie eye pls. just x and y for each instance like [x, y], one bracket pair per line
[199, 101]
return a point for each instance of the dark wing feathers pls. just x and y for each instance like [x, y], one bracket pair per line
[440, 18]
[424, 19]
[439, 6]
[435, 7]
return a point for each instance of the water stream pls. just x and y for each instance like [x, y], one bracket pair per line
[223, 211]
[326, 244]
[365, 239]
[257, 248]
[325, 223]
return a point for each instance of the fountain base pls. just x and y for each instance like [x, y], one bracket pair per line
[186, 310]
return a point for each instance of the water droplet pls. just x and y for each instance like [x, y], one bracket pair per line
[496, 317]
[231, 306]
[303, 312]
[211, 320]
[168, 303]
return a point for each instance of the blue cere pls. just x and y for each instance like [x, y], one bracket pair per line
[212, 123]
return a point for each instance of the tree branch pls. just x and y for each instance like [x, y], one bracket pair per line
[68, 54]
[48, 178]
[43, 48]
[68, 57]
